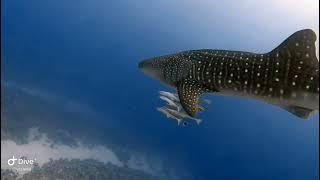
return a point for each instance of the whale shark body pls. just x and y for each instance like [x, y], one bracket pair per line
[287, 76]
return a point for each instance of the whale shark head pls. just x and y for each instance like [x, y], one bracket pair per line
[168, 69]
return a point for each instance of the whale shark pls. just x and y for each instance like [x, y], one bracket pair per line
[287, 76]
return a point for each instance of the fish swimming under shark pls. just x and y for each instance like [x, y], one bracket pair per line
[165, 110]
[178, 115]
[175, 98]
[171, 103]
[183, 115]
[174, 102]
[287, 76]
[174, 110]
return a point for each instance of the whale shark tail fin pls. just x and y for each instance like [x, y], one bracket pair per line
[296, 56]
[299, 49]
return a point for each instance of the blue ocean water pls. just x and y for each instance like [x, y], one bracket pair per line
[88, 51]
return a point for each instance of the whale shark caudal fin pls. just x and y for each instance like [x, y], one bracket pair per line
[298, 52]
[189, 92]
[299, 48]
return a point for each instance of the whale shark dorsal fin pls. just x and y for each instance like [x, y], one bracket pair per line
[299, 47]
[189, 92]
[300, 112]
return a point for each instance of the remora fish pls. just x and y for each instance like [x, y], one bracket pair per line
[175, 98]
[177, 115]
[171, 103]
[166, 111]
[287, 76]
[183, 115]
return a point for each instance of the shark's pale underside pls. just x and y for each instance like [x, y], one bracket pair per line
[287, 77]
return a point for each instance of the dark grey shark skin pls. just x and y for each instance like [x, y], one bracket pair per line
[288, 76]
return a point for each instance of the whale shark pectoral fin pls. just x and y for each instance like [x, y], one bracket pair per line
[301, 112]
[189, 92]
